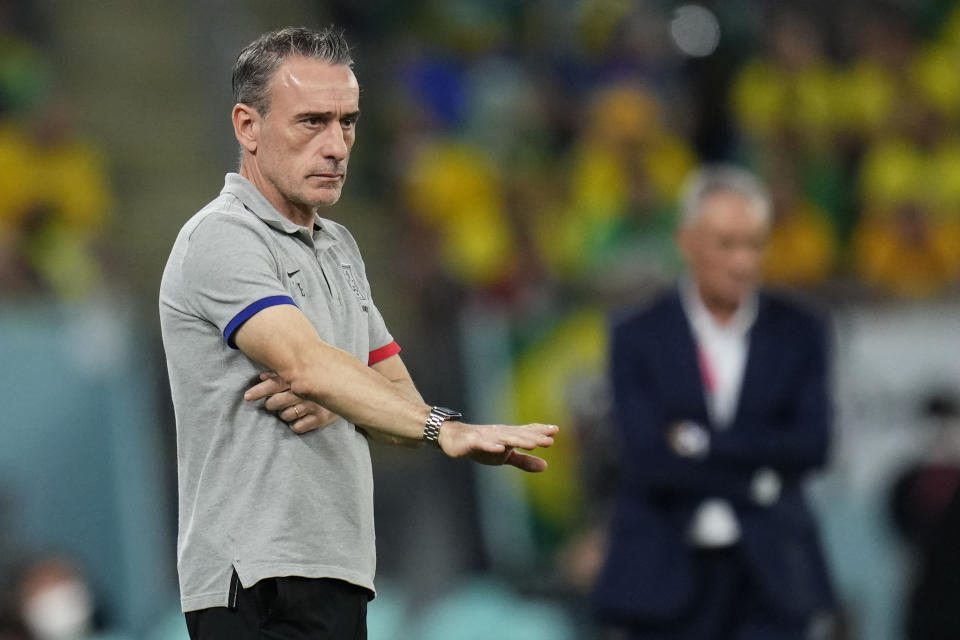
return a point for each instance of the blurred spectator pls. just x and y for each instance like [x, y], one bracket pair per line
[65, 215]
[721, 396]
[923, 491]
[923, 502]
[908, 240]
[802, 249]
[868, 87]
[932, 607]
[56, 602]
[455, 189]
[25, 76]
[786, 92]
[54, 195]
[625, 172]
[788, 102]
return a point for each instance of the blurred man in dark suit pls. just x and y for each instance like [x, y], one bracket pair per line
[721, 393]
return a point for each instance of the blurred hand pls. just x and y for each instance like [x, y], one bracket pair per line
[497, 444]
[300, 415]
[688, 439]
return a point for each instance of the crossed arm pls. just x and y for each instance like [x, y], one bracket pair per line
[729, 467]
[381, 398]
[304, 415]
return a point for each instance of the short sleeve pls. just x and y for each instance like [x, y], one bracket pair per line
[382, 344]
[229, 272]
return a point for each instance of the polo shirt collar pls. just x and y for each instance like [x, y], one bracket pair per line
[236, 185]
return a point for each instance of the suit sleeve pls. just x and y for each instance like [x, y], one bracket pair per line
[799, 441]
[648, 462]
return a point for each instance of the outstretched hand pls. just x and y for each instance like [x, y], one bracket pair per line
[300, 415]
[486, 444]
[497, 444]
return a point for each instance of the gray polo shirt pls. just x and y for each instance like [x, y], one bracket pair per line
[253, 495]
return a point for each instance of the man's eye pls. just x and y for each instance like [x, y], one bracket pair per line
[349, 122]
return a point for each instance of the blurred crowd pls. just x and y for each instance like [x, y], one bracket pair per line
[537, 148]
[55, 197]
[530, 155]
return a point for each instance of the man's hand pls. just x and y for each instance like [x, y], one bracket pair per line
[497, 444]
[688, 439]
[299, 414]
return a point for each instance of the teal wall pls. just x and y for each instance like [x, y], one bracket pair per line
[82, 458]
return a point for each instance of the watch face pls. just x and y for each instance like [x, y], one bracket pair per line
[449, 414]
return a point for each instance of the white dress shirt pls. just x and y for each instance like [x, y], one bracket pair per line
[723, 352]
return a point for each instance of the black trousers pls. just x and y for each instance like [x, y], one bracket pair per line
[727, 607]
[289, 608]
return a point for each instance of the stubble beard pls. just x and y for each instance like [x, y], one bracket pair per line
[304, 199]
[333, 191]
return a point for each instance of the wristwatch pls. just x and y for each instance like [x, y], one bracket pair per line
[438, 415]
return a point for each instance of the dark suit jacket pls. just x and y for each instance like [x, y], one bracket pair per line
[782, 422]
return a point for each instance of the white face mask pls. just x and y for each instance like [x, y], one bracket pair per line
[61, 612]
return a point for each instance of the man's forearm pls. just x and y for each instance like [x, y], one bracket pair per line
[346, 386]
[395, 371]
[282, 339]
[407, 388]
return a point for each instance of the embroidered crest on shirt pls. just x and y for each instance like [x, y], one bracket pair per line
[352, 280]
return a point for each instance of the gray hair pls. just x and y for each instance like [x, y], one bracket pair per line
[709, 180]
[260, 59]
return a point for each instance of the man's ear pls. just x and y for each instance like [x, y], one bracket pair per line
[246, 126]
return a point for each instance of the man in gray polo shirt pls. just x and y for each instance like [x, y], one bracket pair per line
[276, 528]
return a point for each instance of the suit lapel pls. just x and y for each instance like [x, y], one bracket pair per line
[760, 348]
[682, 356]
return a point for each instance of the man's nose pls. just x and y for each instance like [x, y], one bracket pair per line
[334, 145]
[748, 261]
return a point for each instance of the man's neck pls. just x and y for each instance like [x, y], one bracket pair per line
[297, 215]
[721, 312]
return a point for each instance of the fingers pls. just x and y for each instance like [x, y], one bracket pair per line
[298, 411]
[306, 424]
[495, 444]
[281, 401]
[300, 415]
[270, 384]
[307, 417]
[526, 462]
[545, 429]
[293, 413]
[528, 436]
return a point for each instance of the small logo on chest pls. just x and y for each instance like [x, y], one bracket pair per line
[352, 280]
[300, 288]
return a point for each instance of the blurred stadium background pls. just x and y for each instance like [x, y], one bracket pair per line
[513, 184]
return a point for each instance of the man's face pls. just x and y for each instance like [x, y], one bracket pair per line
[724, 248]
[304, 141]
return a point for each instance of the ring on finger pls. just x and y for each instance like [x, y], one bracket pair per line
[296, 410]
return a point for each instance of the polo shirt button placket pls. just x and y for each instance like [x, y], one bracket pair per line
[334, 293]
